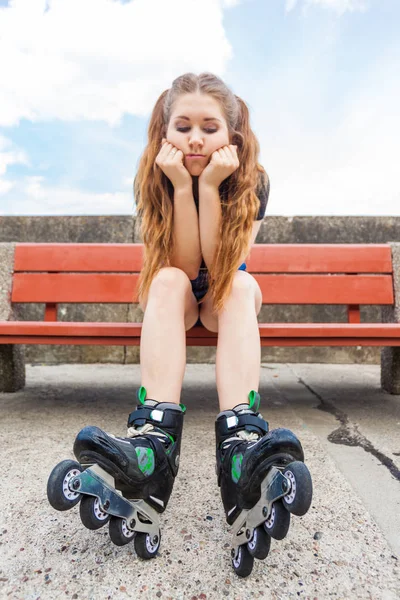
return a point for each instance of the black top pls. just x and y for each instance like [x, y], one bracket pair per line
[262, 193]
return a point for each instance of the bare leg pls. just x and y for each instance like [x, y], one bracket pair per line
[238, 357]
[171, 309]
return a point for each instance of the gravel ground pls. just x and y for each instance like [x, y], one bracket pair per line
[335, 551]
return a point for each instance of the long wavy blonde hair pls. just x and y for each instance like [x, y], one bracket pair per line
[239, 203]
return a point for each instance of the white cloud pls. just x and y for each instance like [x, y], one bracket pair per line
[9, 155]
[5, 187]
[34, 197]
[290, 5]
[339, 6]
[100, 59]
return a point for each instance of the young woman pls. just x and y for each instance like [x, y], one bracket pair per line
[201, 196]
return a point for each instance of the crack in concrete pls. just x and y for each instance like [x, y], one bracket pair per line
[348, 434]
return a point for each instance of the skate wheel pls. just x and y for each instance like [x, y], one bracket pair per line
[60, 495]
[298, 500]
[92, 515]
[242, 561]
[120, 533]
[147, 545]
[259, 544]
[278, 522]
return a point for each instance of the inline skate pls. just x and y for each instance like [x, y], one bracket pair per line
[125, 482]
[263, 480]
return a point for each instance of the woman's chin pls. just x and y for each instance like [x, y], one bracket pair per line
[195, 170]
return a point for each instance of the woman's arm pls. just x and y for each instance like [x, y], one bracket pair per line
[209, 220]
[187, 251]
[223, 163]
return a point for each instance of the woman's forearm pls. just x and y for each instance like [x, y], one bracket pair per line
[187, 251]
[209, 221]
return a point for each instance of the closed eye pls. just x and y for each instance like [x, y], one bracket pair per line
[184, 129]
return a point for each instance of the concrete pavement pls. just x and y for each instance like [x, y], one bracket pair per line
[346, 546]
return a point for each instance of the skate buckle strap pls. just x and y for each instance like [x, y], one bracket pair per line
[228, 425]
[148, 414]
[232, 422]
[157, 415]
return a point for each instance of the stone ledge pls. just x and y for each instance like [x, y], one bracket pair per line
[12, 364]
[6, 274]
[390, 357]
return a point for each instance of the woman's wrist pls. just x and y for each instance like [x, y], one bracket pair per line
[209, 185]
[183, 189]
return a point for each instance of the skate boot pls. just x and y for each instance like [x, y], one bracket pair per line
[124, 481]
[263, 480]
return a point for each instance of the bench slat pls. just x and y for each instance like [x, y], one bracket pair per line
[198, 341]
[276, 289]
[272, 330]
[320, 258]
[264, 258]
[79, 258]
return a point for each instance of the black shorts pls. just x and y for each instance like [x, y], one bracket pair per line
[200, 285]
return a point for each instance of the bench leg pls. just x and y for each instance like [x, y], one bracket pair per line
[390, 370]
[390, 357]
[12, 368]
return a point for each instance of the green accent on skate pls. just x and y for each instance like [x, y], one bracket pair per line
[236, 467]
[170, 436]
[146, 460]
[141, 394]
[255, 399]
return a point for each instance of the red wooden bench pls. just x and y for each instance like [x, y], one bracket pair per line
[345, 274]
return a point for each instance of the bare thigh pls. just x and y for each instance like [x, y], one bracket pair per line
[174, 280]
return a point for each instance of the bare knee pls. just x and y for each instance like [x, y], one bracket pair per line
[243, 291]
[242, 284]
[168, 282]
[171, 279]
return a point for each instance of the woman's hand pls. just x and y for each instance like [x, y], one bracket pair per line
[222, 164]
[170, 161]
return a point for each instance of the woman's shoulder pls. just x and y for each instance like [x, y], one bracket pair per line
[263, 179]
[262, 192]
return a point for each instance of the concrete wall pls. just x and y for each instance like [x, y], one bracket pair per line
[121, 229]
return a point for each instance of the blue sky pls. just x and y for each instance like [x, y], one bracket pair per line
[321, 79]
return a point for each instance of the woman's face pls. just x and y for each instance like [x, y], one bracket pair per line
[197, 126]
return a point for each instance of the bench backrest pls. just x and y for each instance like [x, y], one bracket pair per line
[347, 274]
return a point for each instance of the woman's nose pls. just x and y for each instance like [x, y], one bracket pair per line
[196, 138]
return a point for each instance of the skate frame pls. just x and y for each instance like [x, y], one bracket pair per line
[274, 486]
[95, 481]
